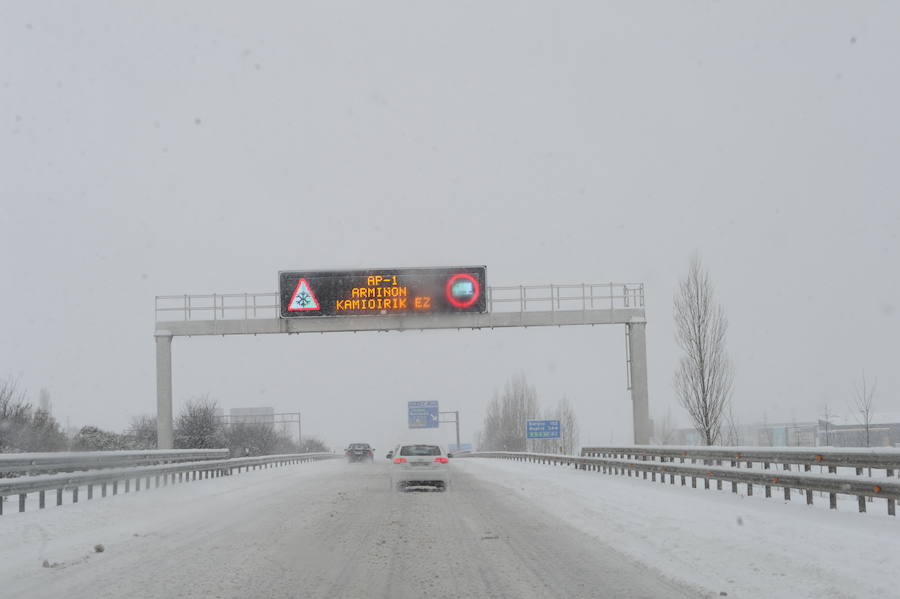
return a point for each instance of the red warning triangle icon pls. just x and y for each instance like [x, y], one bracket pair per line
[303, 298]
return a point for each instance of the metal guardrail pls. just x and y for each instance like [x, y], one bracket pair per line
[516, 298]
[882, 458]
[861, 487]
[167, 473]
[69, 461]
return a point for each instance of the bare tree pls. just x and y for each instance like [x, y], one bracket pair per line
[703, 381]
[91, 438]
[504, 422]
[252, 438]
[15, 413]
[733, 435]
[664, 430]
[312, 444]
[568, 426]
[767, 437]
[827, 424]
[24, 428]
[863, 395]
[142, 432]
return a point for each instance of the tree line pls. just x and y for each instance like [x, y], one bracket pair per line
[508, 411]
[26, 428]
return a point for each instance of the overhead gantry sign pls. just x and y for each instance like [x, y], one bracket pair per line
[381, 292]
[399, 299]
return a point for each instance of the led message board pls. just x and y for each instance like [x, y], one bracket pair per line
[382, 291]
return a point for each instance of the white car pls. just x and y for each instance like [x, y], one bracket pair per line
[420, 465]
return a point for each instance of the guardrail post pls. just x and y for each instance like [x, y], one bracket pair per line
[891, 507]
[75, 495]
[103, 490]
[809, 497]
[116, 487]
[734, 488]
[862, 504]
[22, 502]
[787, 493]
[90, 492]
[59, 496]
[832, 501]
[749, 489]
[41, 500]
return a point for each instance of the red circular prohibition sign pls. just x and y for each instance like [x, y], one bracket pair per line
[466, 303]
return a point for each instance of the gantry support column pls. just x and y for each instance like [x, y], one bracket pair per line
[165, 436]
[637, 350]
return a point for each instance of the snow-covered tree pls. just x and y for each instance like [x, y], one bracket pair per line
[198, 426]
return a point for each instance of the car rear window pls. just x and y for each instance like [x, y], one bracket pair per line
[414, 450]
[359, 446]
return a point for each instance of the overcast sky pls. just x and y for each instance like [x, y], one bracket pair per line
[199, 147]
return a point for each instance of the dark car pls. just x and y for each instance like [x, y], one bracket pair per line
[360, 452]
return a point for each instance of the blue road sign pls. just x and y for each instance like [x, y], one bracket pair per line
[542, 429]
[423, 414]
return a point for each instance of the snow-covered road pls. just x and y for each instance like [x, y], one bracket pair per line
[505, 529]
[326, 530]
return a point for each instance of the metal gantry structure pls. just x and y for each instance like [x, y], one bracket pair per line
[454, 421]
[585, 304]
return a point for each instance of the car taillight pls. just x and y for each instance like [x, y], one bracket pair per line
[442, 460]
[399, 460]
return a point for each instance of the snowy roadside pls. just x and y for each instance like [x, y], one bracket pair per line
[132, 523]
[745, 546]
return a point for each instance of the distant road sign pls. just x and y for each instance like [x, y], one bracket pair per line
[423, 414]
[378, 292]
[542, 429]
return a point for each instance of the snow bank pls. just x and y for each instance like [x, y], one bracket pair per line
[745, 546]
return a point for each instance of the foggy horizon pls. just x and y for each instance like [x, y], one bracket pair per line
[192, 150]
